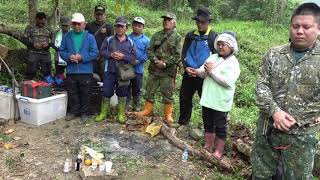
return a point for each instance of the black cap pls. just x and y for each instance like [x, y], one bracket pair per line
[99, 9]
[203, 14]
[121, 20]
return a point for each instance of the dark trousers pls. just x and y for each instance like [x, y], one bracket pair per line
[78, 88]
[110, 83]
[98, 67]
[36, 61]
[60, 69]
[189, 86]
[215, 122]
[135, 86]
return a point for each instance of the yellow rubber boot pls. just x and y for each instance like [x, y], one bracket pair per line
[168, 109]
[147, 110]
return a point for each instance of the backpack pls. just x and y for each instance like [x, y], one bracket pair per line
[210, 38]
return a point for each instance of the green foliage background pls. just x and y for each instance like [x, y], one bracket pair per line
[255, 21]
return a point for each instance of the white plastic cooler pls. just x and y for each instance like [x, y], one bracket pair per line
[7, 106]
[41, 111]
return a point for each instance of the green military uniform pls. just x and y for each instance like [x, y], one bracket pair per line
[167, 47]
[290, 82]
[32, 35]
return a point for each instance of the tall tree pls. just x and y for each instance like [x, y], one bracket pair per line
[33, 7]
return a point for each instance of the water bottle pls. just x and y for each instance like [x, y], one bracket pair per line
[67, 166]
[185, 155]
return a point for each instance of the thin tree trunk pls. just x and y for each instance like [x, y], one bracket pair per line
[33, 7]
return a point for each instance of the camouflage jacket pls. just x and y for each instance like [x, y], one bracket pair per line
[35, 34]
[291, 87]
[169, 51]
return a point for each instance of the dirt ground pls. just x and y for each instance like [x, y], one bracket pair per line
[40, 152]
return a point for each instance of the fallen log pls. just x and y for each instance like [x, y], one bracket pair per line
[223, 164]
[243, 147]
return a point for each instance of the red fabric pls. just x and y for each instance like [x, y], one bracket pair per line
[35, 85]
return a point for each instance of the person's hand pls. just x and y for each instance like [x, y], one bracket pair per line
[120, 56]
[283, 121]
[208, 66]
[191, 72]
[73, 58]
[117, 56]
[160, 64]
[78, 57]
[44, 45]
[37, 45]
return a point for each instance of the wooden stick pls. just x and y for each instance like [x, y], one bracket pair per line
[223, 164]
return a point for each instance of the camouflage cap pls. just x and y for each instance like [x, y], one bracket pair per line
[64, 21]
[169, 15]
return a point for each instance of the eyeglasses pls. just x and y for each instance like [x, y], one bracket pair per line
[222, 44]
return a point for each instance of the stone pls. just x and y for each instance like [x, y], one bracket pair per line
[196, 134]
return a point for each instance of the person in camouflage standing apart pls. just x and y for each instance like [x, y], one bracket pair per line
[288, 95]
[163, 53]
[39, 38]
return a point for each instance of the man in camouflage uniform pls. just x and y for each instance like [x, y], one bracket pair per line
[288, 95]
[100, 29]
[38, 39]
[163, 53]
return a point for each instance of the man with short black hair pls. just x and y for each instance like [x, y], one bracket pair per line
[141, 42]
[100, 29]
[39, 38]
[288, 97]
[197, 47]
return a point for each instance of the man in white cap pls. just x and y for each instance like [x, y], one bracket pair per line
[141, 42]
[78, 48]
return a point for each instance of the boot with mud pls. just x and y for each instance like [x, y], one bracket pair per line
[105, 110]
[168, 110]
[209, 141]
[121, 109]
[136, 103]
[220, 143]
[147, 110]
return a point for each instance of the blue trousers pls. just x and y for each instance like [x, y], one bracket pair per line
[110, 83]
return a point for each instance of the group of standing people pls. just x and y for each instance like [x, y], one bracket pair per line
[287, 86]
[103, 48]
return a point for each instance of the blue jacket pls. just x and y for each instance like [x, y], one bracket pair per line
[141, 43]
[199, 51]
[126, 47]
[88, 52]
